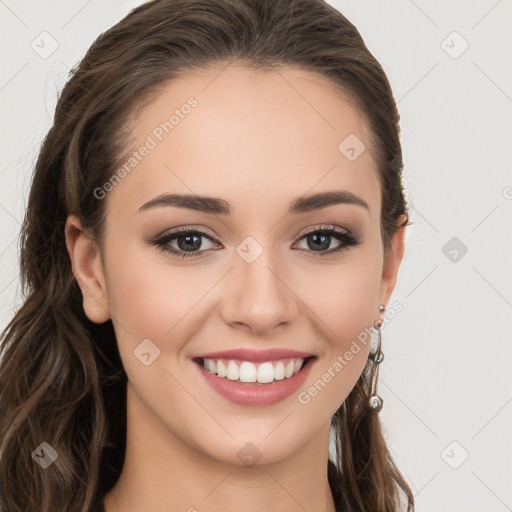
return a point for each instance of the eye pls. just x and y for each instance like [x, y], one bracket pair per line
[184, 243]
[190, 242]
[319, 240]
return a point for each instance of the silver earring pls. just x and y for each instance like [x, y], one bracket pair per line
[377, 357]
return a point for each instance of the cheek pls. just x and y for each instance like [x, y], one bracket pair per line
[148, 298]
[344, 298]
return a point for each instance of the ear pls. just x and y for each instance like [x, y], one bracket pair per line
[88, 269]
[392, 261]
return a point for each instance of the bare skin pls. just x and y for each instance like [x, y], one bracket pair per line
[255, 142]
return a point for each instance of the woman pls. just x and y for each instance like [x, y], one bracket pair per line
[214, 230]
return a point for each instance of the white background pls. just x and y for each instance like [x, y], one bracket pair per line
[446, 379]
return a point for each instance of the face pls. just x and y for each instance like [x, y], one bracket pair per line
[261, 273]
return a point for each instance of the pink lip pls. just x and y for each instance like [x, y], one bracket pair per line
[242, 393]
[256, 356]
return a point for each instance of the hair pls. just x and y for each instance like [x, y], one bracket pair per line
[61, 376]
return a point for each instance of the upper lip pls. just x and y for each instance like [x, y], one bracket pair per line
[256, 356]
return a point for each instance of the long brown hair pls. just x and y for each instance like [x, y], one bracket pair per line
[61, 377]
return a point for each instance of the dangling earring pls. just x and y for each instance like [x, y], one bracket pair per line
[377, 357]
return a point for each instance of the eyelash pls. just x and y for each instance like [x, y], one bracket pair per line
[348, 240]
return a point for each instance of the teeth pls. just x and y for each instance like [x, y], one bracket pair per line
[245, 371]
[279, 371]
[233, 372]
[265, 373]
[212, 366]
[221, 369]
[288, 371]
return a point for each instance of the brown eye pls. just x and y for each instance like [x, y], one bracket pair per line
[188, 242]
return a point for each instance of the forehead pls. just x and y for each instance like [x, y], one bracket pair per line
[264, 134]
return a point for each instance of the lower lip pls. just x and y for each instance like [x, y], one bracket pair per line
[256, 394]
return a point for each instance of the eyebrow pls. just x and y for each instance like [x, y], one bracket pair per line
[219, 206]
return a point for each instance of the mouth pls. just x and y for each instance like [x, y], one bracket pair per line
[248, 383]
[248, 372]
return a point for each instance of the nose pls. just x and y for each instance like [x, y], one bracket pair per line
[258, 298]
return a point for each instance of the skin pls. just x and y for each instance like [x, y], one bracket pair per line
[257, 140]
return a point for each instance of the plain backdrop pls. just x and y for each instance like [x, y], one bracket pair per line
[446, 378]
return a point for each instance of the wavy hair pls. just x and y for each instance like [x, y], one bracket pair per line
[61, 377]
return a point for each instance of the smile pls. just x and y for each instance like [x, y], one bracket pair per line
[247, 371]
[255, 378]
